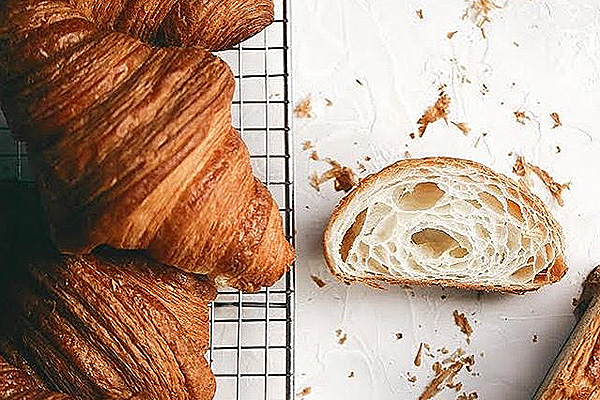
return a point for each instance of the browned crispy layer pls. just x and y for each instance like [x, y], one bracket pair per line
[132, 145]
[110, 325]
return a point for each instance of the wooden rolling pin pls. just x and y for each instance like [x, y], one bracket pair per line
[575, 374]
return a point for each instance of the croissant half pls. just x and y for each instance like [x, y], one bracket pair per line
[131, 143]
[448, 222]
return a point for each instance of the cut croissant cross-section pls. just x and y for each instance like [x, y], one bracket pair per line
[444, 221]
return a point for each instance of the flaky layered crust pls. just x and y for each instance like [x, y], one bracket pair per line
[132, 144]
[553, 272]
[110, 325]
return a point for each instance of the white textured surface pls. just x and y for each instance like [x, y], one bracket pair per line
[539, 57]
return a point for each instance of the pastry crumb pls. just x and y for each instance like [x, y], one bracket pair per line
[419, 356]
[361, 168]
[556, 119]
[574, 302]
[450, 35]
[314, 155]
[521, 117]
[328, 102]
[558, 149]
[436, 112]
[304, 392]
[411, 378]
[344, 177]
[441, 378]
[462, 126]
[342, 336]
[479, 13]
[359, 82]
[351, 374]
[463, 323]
[307, 145]
[399, 336]
[470, 396]
[304, 108]
[318, 281]
[535, 338]
[521, 167]
[419, 13]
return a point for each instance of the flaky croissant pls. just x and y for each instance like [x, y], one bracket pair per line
[131, 143]
[110, 325]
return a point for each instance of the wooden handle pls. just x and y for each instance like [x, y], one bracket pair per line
[575, 374]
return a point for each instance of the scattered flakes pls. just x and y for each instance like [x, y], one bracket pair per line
[328, 102]
[462, 126]
[419, 13]
[521, 167]
[351, 374]
[470, 396]
[407, 155]
[457, 386]
[521, 117]
[399, 336]
[361, 168]
[463, 323]
[411, 378]
[478, 12]
[535, 338]
[469, 362]
[443, 350]
[484, 89]
[318, 281]
[419, 356]
[556, 119]
[314, 155]
[344, 177]
[458, 353]
[412, 135]
[342, 336]
[304, 108]
[304, 392]
[558, 149]
[367, 158]
[436, 112]
[450, 35]
[307, 145]
[441, 378]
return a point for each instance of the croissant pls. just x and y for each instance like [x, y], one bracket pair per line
[110, 325]
[448, 222]
[130, 137]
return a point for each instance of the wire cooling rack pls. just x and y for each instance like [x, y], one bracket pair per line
[252, 335]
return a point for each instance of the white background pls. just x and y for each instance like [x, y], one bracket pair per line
[538, 57]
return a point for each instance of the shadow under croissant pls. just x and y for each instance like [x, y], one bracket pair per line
[109, 325]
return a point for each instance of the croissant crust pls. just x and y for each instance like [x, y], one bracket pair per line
[130, 137]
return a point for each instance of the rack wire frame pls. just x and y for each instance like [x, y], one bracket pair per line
[252, 335]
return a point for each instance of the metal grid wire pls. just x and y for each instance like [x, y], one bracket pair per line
[252, 336]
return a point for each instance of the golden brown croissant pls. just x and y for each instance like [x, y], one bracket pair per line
[132, 144]
[107, 325]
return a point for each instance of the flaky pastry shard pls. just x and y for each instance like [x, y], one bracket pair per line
[444, 221]
[130, 137]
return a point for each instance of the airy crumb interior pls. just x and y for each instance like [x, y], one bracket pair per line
[465, 228]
